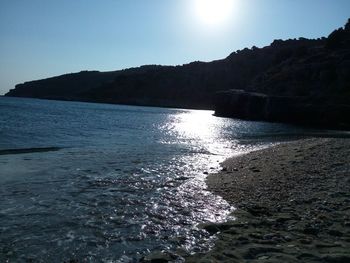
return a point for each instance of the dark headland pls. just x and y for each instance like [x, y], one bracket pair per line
[303, 81]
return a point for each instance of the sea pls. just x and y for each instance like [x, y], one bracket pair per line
[112, 183]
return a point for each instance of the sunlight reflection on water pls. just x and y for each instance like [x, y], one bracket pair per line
[193, 204]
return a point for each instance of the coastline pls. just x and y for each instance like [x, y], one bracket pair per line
[293, 204]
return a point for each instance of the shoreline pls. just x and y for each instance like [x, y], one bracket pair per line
[293, 204]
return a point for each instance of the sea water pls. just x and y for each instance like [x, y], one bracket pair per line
[120, 182]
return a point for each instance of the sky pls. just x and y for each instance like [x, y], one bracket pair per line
[44, 38]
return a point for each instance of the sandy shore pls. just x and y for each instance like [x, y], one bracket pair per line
[293, 204]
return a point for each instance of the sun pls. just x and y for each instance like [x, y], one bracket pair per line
[213, 12]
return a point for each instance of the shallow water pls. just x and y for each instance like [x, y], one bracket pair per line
[123, 180]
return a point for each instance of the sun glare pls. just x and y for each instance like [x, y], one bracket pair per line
[213, 12]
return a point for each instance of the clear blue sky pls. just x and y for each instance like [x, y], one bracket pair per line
[43, 38]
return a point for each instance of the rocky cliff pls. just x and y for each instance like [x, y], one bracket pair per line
[65, 87]
[312, 77]
[290, 109]
[309, 86]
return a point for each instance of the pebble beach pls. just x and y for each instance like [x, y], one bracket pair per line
[292, 204]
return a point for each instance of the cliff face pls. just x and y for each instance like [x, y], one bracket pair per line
[194, 85]
[66, 87]
[310, 86]
[316, 72]
[290, 109]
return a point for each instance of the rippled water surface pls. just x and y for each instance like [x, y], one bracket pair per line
[125, 181]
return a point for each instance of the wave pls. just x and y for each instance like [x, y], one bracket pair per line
[28, 150]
